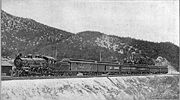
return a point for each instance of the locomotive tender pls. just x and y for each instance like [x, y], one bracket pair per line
[44, 65]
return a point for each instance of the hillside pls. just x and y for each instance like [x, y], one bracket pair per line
[23, 34]
[89, 45]
[28, 36]
[96, 88]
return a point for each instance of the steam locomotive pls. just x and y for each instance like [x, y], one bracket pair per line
[45, 65]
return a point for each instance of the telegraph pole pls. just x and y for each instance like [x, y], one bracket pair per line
[100, 56]
[56, 53]
[54, 48]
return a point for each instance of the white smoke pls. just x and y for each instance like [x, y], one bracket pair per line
[160, 61]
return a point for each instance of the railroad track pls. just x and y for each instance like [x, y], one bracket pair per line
[4, 78]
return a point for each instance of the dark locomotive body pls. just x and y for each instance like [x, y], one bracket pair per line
[44, 65]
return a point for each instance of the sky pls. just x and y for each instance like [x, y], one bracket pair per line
[151, 20]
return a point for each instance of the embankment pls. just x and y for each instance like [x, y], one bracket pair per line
[164, 87]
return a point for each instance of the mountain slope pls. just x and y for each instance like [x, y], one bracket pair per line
[89, 44]
[28, 36]
[21, 34]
